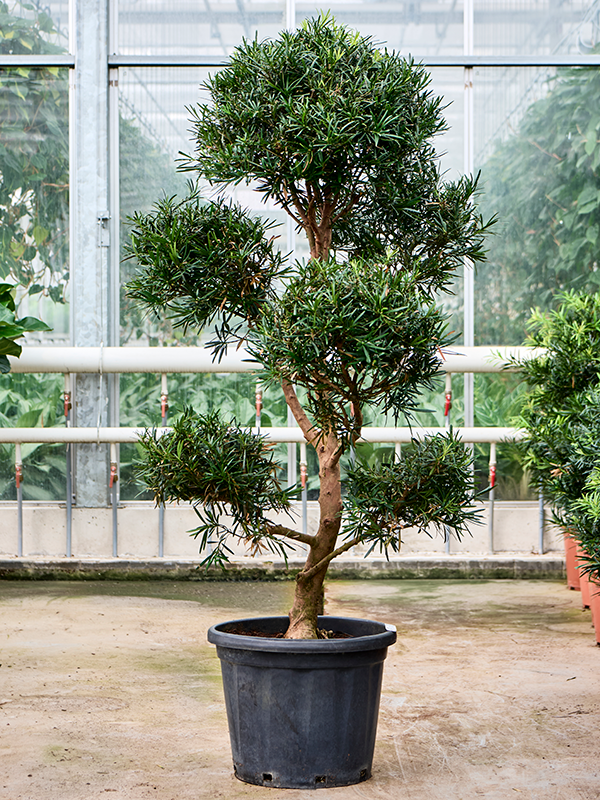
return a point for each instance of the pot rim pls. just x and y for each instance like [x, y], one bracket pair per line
[384, 637]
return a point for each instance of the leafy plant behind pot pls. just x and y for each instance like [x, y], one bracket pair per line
[561, 415]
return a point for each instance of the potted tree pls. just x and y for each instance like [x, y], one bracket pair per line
[338, 134]
[563, 423]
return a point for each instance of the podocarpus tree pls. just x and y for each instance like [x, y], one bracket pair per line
[339, 135]
[562, 415]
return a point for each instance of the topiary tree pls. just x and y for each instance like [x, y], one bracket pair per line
[561, 414]
[338, 134]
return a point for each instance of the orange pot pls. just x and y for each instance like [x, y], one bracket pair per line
[584, 583]
[571, 562]
[595, 605]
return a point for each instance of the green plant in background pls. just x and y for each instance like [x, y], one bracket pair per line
[499, 398]
[38, 402]
[544, 185]
[338, 134]
[12, 328]
[34, 159]
[28, 400]
[561, 414]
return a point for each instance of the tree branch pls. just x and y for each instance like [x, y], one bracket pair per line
[324, 561]
[311, 434]
[288, 533]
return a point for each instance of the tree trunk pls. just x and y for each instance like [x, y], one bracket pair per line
[308, 598]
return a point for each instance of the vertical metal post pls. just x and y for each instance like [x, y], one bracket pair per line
[541, 523]
[68, 406]
[303, 480]
[291, 448]
[114, 478]
[469, 167]
[447, 408]
[164, 409]
[258, 397]
[90, 222]
[290, 15]
[492, 481]
[398, 451]
[18, 480]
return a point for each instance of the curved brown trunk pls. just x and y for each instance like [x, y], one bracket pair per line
[308, 598]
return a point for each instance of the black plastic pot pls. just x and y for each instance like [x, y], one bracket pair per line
[302, 713]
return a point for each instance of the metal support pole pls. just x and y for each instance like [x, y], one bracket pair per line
[68, 406]
[18, 480]
[114, 477]
[303, 480]
[164, 409]
[492, 481]
[541, 523]
[291, 453]
[258, 396]
[290, 17]
[447, 408]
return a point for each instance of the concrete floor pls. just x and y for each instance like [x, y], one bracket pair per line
[492, 690]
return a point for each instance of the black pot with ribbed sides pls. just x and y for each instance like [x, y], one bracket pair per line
[302, 712]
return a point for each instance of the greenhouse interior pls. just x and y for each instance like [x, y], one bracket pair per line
[300, 316]
[96, 121]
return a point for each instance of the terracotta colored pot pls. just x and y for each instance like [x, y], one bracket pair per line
[571, 562]
[594, 588]
[584, 583]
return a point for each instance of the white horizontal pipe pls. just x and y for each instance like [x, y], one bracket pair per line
[471, 435]
[200, 359]
[124, 435]
[128, 359]
[485, 359]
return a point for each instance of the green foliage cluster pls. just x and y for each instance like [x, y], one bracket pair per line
[562, 414]
[12, 328]
[34, 159]
[355, 332]
[383, 499]
[140, 404]
[206, 261]
[219, 467]
[338, 133]
[544, 185]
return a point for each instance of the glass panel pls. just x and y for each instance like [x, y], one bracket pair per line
[186, 27]
[449, 84]
[540, 27]
[29, 28]
[538, 149]
[29, 401]
[34, 194]
[423, 29]
[154, 130]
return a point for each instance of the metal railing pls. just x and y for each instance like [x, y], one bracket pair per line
[164, 361]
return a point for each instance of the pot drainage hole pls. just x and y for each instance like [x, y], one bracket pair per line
[267, 777]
